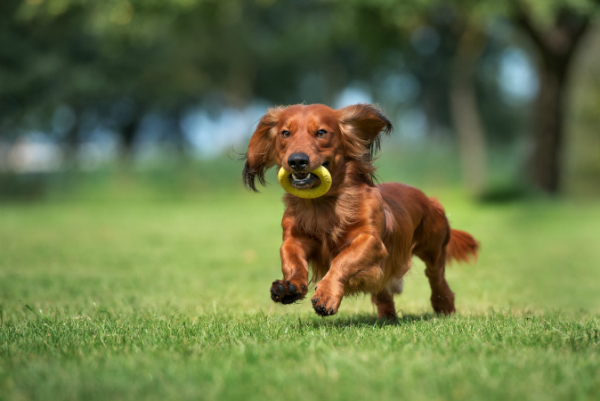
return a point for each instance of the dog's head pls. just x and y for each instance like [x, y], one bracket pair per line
[301, 138]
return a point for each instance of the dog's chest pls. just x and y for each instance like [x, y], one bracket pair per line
[321, 224]
[326, 220]
[328, 228]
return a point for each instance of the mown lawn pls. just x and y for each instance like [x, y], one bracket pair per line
[168, 299]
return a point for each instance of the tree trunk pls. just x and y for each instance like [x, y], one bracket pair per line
[546, 163]
[72, 144]
[465, 115]
[128, 134]
[556, 47]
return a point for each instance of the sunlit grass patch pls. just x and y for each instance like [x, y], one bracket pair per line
[168, 299]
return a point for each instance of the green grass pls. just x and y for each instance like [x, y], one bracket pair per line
[163, 294]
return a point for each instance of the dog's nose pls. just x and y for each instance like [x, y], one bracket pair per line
[298, 161]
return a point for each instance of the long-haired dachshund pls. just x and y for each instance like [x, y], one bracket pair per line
[359, 236]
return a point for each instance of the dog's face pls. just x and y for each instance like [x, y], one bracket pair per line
[307, 137]
[301, 138]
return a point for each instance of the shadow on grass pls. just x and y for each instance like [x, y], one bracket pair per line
[369, 320]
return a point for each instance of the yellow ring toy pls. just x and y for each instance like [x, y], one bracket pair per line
[310, 193]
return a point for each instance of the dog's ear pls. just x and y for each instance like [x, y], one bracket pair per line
[261, 150]
[361, 126]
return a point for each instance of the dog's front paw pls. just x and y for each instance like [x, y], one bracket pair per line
[286, 292]
[325, 305]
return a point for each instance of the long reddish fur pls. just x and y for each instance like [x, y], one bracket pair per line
[360, 236]
[462, 247]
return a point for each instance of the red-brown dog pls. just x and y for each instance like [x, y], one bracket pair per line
[358, 237]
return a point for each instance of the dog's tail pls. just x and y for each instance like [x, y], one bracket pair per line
[462, 247]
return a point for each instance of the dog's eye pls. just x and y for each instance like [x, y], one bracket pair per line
[285, 134]
[321, 133]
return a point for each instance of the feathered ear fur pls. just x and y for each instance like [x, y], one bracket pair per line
[361, 126]
[261, 150]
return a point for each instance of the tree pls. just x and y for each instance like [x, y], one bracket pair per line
[164, 56]
[555, 29]
[556, 46]
[466, 117]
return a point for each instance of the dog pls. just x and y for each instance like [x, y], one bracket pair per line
[360, 236]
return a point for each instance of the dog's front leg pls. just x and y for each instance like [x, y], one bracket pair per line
[362, 256]
[294, 265]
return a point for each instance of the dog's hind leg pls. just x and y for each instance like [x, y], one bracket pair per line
[385, 304]
[431, 249]
[442, 298]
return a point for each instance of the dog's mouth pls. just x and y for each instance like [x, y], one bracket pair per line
[304, 180]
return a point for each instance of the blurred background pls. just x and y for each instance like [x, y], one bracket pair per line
[123, 217]
[500, 99]
[123, 124]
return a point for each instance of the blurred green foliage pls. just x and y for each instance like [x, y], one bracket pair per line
[170, 53]
[111, 63]
[150, 280]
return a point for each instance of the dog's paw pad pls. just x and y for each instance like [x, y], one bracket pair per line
[286, 292]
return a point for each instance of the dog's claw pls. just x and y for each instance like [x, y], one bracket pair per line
[323, 311]
[324, 306]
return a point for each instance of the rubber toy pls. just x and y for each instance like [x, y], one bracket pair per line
[310, 193]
